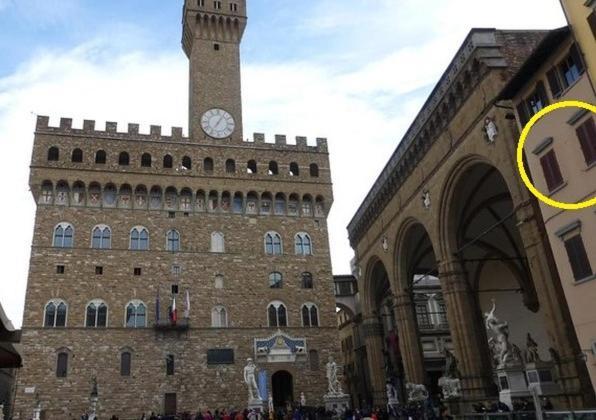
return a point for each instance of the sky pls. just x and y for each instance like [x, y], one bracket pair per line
[310, 67]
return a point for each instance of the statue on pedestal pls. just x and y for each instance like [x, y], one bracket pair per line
[302, 400]
[450, 383]
[271, 406]
[503, 351]
[250, 379]
[333, 381]
[532, 355]
[416, 392]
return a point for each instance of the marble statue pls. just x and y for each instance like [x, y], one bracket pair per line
[416, 392]
[450, 383]
[391, 393]
[532, 355]
[270, 404]
[302, 400]
[334, 385]
[503, 350]
[491, 130]
[426, 199]
[250, 379]
[451, 369]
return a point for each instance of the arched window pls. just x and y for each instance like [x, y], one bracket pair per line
[168, 162]
[101, 237]
[293, 205]
[307, 280]
[208, 165]
[307, 205]
[314, 170]
[173, 241]
[110, 195]
[125, 363]
[136, 314]
[294, 169]
[62, 365]
[280, 204]
[238, 203]
[302, 244]
[124, 159]
[53, 154]
[139, 239]
[186, 163]
[77, 156]
[96, 315]
[310, 315]
[251, 167]
[217, 242]
[100, 157]
[219, 317]
[313, 360]
[47, 192]
[273, 168]
[273, 243]
[230, 166]
[275, 280]
[155, 197]
[63, 236]
[277, 314]
[146, 160]
[55, 314]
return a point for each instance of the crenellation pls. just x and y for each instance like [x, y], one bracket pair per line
[66, 123]
[322, 144]
[155, 131]
[42, 122]
[259, 138]
[111, 127]
[133, 129]
[280, 139]
[177, 134]
[88, 126]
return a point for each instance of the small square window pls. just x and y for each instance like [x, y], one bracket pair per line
[59, 269]
[216, 47]
[99, 270]
[171, 215]
[174, 289]
[137, 271]
[186, 214]
[176, 270]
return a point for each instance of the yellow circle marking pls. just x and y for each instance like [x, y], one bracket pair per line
[520, 151]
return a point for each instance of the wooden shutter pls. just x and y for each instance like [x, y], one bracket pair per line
[554, 83]
[522, 113]
[578, 259]
[586, 133]
[552, 172]
[577, 58]
[541, 93]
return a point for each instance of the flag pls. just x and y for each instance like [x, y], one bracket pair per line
[174, 311]
[187, 310]
[157, 308]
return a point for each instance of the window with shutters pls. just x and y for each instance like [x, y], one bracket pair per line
[586, 133]
[566, 73]
[578, 258]
[532, 104]
[551, 170]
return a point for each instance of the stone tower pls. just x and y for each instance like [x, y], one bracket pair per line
[212, 31]
[234, 232]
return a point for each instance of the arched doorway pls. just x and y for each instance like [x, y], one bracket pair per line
[282, 385]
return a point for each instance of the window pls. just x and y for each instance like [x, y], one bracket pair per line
[279, 206]
[219, 281]
[176, 270]
[219, 317]
[186, 163]
[275, 280]
[294, 169]
[77, 156]
[586, 133]
[101, 237]
[63, 236]
[146, 160]
[208, 165]
[125, 362]
[313, 359]
[173, 241]
[137, 271]
[217, 5]
[266, 201]
[302, 244]
[170, 364]
[55, 314]
[310, 315]
[422, 316]
[277, 315]
[100, 157]
[97, 314]
[238, 203]
[201, 3]
[578, 258]
[230, 166]
[62, 365]
[592, 22]
[251, 167]
[216, 46]
[123, 159]
[217, 242]
[59, 269]
[563, 75]
[220, 356]
[273, 243]
[273, 168]
[53, 154]
[168, 162]
[98, 270]
[314, 170]
[532, 104]
[234, 7]
[136, 314]
[307, 281]
[552, 172]
[139, 239]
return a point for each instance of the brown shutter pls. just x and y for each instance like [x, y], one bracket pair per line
[577, 58]
[552, 172]
[578, 259]
[586, 133]
[553, 81]
[522, 113]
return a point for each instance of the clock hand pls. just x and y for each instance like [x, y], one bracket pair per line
[218, 121]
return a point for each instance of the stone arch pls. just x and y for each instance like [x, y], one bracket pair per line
[375, 272]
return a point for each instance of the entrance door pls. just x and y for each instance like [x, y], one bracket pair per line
[282, 385]
[170, 404]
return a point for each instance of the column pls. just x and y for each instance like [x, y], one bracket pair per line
[372, 331]
[409, 343]
[466, 332]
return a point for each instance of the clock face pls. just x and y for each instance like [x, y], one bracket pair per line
[218, 123]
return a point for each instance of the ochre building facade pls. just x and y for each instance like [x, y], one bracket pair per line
[234, 231]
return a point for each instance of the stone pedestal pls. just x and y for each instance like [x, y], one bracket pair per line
[540, 377]
[338, 402]
[512, 384]
[256, 404]
[36, 413]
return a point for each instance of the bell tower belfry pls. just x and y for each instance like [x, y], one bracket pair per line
[212, 31]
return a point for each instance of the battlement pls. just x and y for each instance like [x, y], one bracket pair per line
[176, 135]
